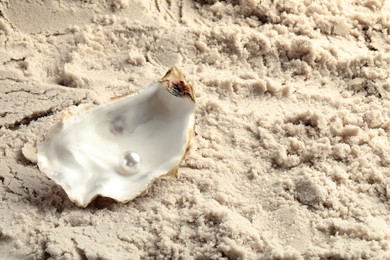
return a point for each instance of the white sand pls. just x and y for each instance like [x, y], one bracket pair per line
[291, 157]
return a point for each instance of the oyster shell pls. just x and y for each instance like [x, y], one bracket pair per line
[118, 149]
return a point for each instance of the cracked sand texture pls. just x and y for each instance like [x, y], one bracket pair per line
[291, 158]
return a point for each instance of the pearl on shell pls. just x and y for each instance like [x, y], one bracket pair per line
[130, 163]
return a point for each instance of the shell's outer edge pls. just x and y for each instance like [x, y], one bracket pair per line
[172, 173]
[122, 96]
[78, 202]
[175, 82]
[173, 78]
[66, 116]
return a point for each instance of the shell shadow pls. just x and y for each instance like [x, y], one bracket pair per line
[101, 202]
[56, 199]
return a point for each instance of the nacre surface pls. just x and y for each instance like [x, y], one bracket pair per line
[118, 149]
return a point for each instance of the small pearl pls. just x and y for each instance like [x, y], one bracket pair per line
[130, 163]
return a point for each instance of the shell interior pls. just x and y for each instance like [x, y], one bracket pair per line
[116, 150]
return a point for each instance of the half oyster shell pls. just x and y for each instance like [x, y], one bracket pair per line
[118, 149]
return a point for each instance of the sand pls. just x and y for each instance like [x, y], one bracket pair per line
[291, 158]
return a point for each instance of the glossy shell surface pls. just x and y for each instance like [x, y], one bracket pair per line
[118, 149]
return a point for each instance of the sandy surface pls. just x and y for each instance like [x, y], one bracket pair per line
[291, 157]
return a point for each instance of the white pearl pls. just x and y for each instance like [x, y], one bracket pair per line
[130, 163]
